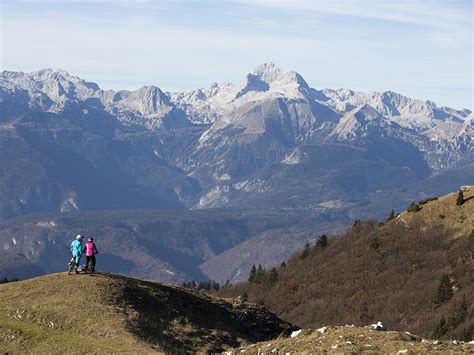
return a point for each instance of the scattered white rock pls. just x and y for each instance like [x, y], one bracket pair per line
[471, 342]
[378, 326]
[322, 330]
[436, 342]
[423, 341]
[334, 346]
[455, 342]
[274, 350]
[296, 333]
[348, 342]
[402, 351]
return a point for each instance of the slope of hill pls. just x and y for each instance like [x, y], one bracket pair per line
[108, 313]
[414, 273]
[349, 339]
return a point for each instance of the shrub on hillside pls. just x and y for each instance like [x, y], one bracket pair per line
[322, 241]
[414, 207]
[426, 200]
[375, 242]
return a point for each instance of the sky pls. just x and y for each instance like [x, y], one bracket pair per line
[419, 48]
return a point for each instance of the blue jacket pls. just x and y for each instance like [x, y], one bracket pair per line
[76, 248]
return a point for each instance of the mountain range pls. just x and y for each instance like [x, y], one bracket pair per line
[270, 143]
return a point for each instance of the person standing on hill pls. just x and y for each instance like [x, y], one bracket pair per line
[90, 249]
[76, 250]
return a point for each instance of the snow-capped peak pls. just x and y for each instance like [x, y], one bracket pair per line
[268, 72]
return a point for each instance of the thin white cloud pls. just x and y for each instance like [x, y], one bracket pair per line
[135, 48]
[431, 13]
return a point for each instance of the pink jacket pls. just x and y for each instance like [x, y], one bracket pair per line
[90, 249]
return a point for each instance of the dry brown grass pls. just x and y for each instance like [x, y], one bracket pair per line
[444, 212]
[111, 313]
[393, 271]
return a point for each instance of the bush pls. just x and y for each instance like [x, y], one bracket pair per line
[375, 243]
[414, 207]
[322, 241]
[426, 200]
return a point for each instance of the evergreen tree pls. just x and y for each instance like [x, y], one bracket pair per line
[273, 277]
[216, 286]
[444, 292]
[253, 273]
[322, 241]
[441, 329]
[283, 264]
[460, 199]
[364, 315]
[259, 274]
[459, 315]
[391, 215]
[305, 252]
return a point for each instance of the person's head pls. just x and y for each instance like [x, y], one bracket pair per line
[79, 237]
[90, 239]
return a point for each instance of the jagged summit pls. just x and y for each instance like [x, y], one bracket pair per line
[268, 72]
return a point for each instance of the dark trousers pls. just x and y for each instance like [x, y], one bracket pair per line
[92, 260]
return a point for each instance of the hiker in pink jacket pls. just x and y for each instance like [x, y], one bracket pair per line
[90, 249]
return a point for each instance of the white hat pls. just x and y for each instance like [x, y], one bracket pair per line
[79, 237]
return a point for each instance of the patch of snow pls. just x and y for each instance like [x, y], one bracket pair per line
[333, 204]
[322, 330]
[224, 177]
[46, 224]
[294, 157]
[14, 241]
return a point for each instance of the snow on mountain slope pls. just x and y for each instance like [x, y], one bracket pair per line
[269, 101]
[56, 91]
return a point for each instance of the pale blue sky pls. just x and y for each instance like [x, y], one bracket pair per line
[423, 49]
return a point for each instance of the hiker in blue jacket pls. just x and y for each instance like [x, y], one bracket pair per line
[76, 250]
